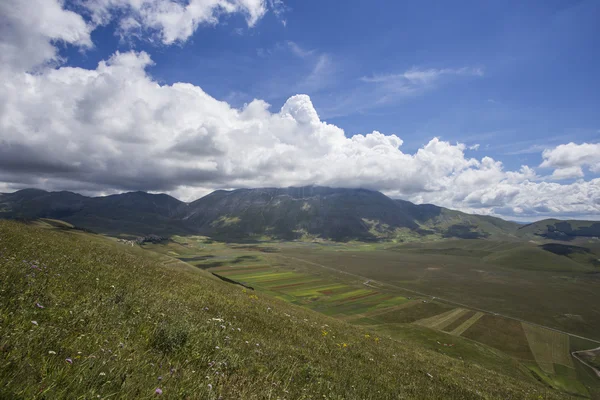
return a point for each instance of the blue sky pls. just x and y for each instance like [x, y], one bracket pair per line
[487, 107]
[539, 60]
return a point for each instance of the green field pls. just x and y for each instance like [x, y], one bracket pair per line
[86, 317]
[387, 288]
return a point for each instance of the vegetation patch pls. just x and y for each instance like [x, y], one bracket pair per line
[459, 321]
[501, 333]
[459, 330]
[411, 314]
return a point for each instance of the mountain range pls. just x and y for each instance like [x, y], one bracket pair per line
[278, 213]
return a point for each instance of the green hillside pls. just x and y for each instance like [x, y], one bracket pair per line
[83, 317]
[254, 214]
[561, 230]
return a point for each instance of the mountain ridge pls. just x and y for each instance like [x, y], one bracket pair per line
[282, 213]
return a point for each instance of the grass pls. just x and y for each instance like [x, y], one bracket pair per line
[330, 278]
[552, 291]
[442, 320]
[459, 321]
[504, 334]
[459, 330]
[83, 317]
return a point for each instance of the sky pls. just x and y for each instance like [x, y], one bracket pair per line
[486, 107]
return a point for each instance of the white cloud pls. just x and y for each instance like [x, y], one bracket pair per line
[299, 51]
[30, 29]
[474, 147]
[114, 128]
[416, 79]
[567, 173]
[568, 159]
[174, 21]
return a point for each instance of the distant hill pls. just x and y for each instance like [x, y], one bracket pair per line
[280, 213]
[561, 230]
[135, 213]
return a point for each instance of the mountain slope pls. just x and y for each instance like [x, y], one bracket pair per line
[452, 223]
[136, 213]
[83, 318]
[560, 230]
[338, 214]
[286, 213]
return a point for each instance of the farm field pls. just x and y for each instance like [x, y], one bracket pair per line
[100, 319]
[349, 282]
[564, 296]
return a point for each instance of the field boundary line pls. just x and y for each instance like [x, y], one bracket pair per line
[459, 330]
[436, 297]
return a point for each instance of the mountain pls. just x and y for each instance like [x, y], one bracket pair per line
[561, 230]
[136, 213]
[452, 223]
[282, 213]
[339, 214]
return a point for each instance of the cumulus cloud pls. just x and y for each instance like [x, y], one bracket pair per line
[114, 128]
[174, 21]
[30, 29]
[568, 159]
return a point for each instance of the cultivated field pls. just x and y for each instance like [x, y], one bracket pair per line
[453, 300]
[85, 317]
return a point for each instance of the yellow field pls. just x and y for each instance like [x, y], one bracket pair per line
[442, 320]
[467, 324]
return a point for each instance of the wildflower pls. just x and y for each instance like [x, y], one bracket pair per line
[209, 386]
[158, 391]
[217, 347]
[102, 374]
[257, 345]
[325, 333]
[51, 352]
[34, 322]
[38, 305]
[218, 319]
[367, 336]
[376, 340]
[239, 329]
[344, 345]
[160, 378]
[68, 360]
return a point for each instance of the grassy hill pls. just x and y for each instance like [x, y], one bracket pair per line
[452, 223]
[561, 230]
[135, 213]
[82, 317]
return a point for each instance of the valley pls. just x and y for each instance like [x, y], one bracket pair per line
[519, 301]
[446, 295]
